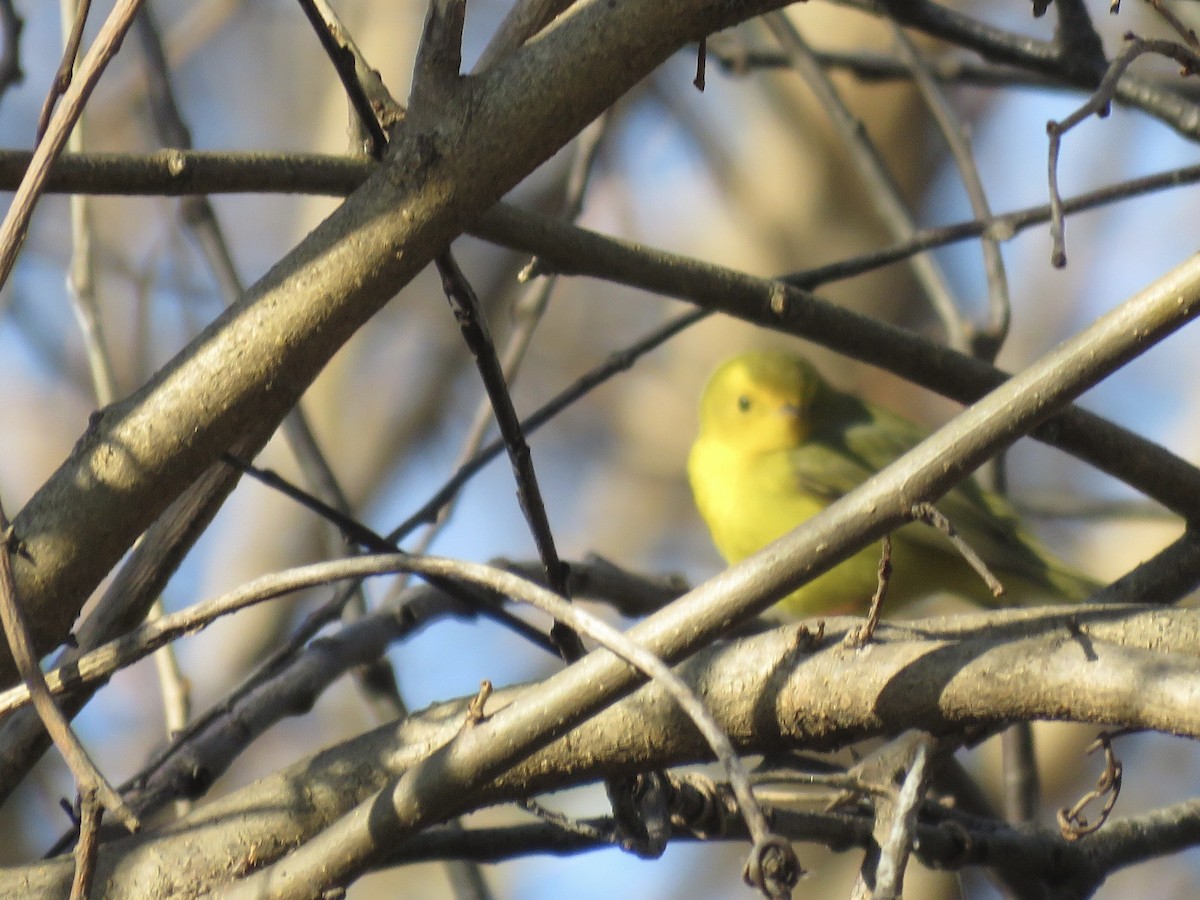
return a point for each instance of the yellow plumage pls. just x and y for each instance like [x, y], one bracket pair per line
[777, 444]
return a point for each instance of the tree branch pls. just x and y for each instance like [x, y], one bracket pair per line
[1122, 666]
[241, 375]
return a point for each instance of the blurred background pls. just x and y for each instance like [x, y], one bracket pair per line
[748, 174]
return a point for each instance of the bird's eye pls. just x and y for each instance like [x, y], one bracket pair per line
[744, 403]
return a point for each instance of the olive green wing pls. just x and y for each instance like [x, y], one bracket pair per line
[836, 461]
[850, 443]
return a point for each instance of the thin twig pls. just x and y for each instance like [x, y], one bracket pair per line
[81, 282]
[474, 328]
[882, 875]
[884, 192]
[1050, 505]
[16, 219]
[948, 68]
[374, 110]
[87, 847]
[998, 45]
[1004, 227]
[357, 533]
[530, 308]
[589, 830]
[617, 362]
[986, 342]
[1071, 822]
[1098, 104]
[861, 636]
[1186, 34]
[930, 515]
[528, 311]
[67, 65]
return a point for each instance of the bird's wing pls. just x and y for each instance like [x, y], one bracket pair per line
[856, 443]
[824, 473]
[833, 464]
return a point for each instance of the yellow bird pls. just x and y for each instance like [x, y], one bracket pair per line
[778, 443]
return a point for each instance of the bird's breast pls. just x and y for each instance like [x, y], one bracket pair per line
[747, 500]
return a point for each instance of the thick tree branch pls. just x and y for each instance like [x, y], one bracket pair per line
[1123, 666]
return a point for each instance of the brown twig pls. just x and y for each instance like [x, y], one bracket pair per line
[986, 342]
[475, 709]
[374, 109]
[87, 847]
[861, 636]
[617, 362]
[16, 220]
[473, 325]
[66, 67]
[885, 194]
[1071, 822]
[1098, 104]
[932, 516]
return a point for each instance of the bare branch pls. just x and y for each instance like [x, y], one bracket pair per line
[16, 219]
[939, 674]
[142, 452]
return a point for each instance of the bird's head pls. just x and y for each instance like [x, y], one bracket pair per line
[761, 401]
